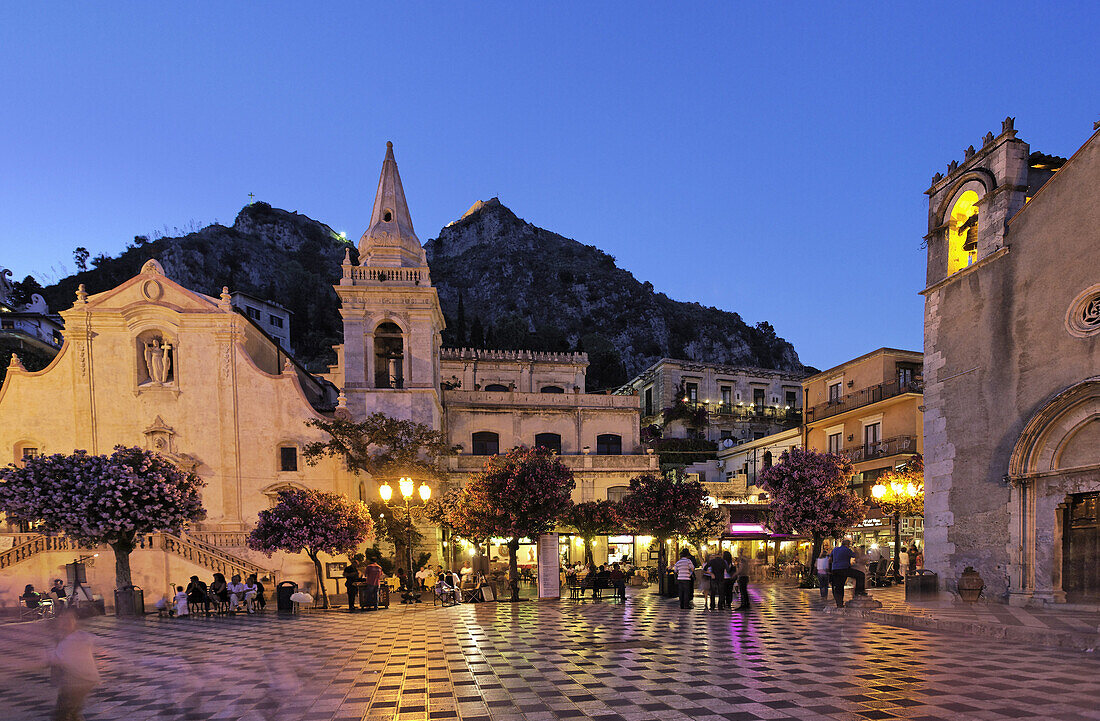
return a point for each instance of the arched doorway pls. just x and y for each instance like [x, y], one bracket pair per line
[1055, 473]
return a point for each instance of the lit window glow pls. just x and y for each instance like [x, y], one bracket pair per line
[963, 224]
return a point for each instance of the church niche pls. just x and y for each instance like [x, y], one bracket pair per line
[156, 361]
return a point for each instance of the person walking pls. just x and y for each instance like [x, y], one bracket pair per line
[72, 667]
[716, 574]
[372, 576]
[821, 567]
[351, 578]
[745, 567]
[840, 570]
[685, 574]
[729, 578]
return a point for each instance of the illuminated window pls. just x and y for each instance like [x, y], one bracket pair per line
[962, 232]
[726, 395]
[692, 391]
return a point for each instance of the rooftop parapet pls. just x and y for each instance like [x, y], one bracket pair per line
[512, 355]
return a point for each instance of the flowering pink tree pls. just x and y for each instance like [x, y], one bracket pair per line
[663, 506]
[810, 495]
[315, 522]
[103, 499]
[590, 519]
[522, 493]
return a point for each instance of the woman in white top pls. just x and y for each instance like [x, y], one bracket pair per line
[821, 565]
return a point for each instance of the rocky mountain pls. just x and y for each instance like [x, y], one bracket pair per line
[503, 283]
[529, 287]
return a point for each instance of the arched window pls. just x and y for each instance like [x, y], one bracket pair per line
[486, 443]
[962, 232]
[767, 460]
[496, 388]
[551, 441]
[552, 389]
[388, 356]
[617, 493]
[609, 444]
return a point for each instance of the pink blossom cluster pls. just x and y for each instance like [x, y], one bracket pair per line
[97, 499]
[312, 521]
[522, 493]
[810, 494]
[663, 505]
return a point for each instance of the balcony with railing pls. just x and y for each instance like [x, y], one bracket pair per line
[863, 397]
[882, 449]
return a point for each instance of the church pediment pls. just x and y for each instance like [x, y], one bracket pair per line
[151, 287]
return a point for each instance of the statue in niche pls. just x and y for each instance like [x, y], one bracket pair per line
[158, 362]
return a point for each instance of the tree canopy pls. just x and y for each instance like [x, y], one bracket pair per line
[590, 519]
[103, 499]
[383, 447]
[314, 522]
[522, 493]
[810, 495]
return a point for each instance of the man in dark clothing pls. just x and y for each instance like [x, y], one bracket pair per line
[372, 575]
[840, 570]
[351, 578]
[716, 575]
[618, 581]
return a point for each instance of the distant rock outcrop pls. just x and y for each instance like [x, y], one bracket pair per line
[503, 283]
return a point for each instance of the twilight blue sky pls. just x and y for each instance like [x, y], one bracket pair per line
[768, 159]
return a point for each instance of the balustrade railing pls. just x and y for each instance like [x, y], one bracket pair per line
[38, 544]
[882, 449]
[384, 275]
[863, 397]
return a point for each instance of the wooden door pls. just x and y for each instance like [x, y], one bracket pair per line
[1081, 548]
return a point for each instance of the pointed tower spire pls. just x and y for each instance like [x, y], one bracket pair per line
[390, 240]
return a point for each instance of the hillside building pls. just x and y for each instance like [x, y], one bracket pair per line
[1012, 371]
[268, 315]
[869, 410]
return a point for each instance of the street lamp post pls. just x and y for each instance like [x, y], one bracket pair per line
[407, 486]
[895, 498]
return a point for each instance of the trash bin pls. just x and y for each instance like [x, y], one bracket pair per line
[672, 590]
[921, 585]
[129, 601]
[283, 592]
[361, 590]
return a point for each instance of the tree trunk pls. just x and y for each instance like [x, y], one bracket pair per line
[320, 577]
[818, 540]
[123, 549]
[589, 558]
[662, 564]
[513, 567]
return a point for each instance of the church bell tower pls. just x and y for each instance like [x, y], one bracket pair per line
[389, 361]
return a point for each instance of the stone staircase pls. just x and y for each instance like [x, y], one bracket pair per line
[192, 549]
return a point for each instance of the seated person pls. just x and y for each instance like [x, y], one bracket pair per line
[30, 597]
[218, 590]
[57, 592]
[237, 592]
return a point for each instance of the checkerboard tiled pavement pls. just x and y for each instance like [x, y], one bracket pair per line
[1048, 626]
[543, 661]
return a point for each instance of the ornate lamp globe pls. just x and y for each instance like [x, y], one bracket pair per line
[386, 491]
[425, 492]
[878, 491]
[407, 486]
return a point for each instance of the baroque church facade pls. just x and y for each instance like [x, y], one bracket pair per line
[153, 364]
[1012, 371]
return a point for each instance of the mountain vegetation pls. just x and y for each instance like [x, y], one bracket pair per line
[503, 283]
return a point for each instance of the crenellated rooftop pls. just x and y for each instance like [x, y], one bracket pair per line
[971, 156]
[511, 355]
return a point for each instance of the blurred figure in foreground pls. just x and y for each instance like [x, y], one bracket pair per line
[72, 667]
